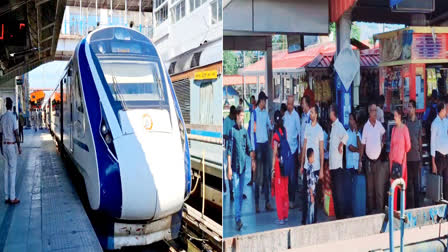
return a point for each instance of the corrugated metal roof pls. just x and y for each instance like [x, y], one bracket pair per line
[368, 58]
[230, 80]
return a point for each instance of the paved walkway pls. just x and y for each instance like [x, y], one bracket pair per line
[50, 216]
[263, 221]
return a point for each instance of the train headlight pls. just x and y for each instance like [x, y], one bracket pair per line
[108, 138]
[106, 133]
[104, 129]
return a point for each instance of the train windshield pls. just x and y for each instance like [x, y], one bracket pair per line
[134, 82]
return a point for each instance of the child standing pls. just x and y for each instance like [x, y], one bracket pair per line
[312, 178]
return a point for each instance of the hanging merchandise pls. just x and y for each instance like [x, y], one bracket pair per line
[326, 90]
[317, 89]
[431, 80]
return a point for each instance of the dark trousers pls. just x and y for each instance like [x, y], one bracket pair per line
[442, 169]
[413, 184]
[292, 181]
[305, 199]
[21, 133]
[337, 190]
[263, 172]
[377, 180]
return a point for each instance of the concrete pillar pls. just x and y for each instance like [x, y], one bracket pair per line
[343, 96]
[268, 75]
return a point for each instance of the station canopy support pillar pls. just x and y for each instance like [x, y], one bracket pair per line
[268, 78]
[343, 96]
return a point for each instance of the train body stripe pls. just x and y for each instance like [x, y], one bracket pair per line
[108, 168]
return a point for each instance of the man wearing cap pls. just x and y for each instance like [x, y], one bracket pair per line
[9, 137]
[259, 132]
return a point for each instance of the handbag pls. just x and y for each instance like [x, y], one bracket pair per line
[397, 170]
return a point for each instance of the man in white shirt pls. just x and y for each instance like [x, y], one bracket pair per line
[9, 137]
[377, 174]
[338, 138]
[313, 138]
[291, 122]
[439, 145]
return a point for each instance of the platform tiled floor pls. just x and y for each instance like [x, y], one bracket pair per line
[50, 216]
[263, 221]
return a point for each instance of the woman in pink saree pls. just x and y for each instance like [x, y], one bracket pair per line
[400, 144]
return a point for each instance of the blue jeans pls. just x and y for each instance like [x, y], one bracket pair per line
[238, 185]
[310, 217]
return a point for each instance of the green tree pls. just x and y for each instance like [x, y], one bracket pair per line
[354, 33]
[230, 63]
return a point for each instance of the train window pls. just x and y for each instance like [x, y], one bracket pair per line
[172, 67]
[144, 85]
[195, 59]
[78, 95]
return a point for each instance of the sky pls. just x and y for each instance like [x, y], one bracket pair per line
[47, 75]
[370, 29]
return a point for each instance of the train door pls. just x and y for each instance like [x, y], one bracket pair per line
[70, 86]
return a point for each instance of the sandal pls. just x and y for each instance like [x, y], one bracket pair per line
[13, 202]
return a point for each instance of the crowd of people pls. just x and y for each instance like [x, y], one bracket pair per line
[297, 148]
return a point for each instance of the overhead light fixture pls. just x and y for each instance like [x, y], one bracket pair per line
[31, 50]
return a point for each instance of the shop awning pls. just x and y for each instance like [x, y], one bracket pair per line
[338, 7]
[232, 80]
[368, 58]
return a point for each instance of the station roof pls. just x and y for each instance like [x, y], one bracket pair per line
[29, 31]
[132, 5]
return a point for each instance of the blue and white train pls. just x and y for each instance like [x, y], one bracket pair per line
[118, 119]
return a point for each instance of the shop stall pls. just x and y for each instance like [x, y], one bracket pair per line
[414, 62]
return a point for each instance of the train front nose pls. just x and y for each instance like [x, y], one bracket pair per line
[151, 169]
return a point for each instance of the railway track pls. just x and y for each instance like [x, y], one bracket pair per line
[198, 233]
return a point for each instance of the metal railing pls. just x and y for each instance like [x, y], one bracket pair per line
[402, 217]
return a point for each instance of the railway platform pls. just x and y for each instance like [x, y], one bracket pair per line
[50, 216]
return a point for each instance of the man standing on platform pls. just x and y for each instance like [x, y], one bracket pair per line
[439, 145]
[372, 142]
[414, 157]
[228, 124]
[238, 148]
[291, 123]
[9, 137]
[259, 132]
[338, 138]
